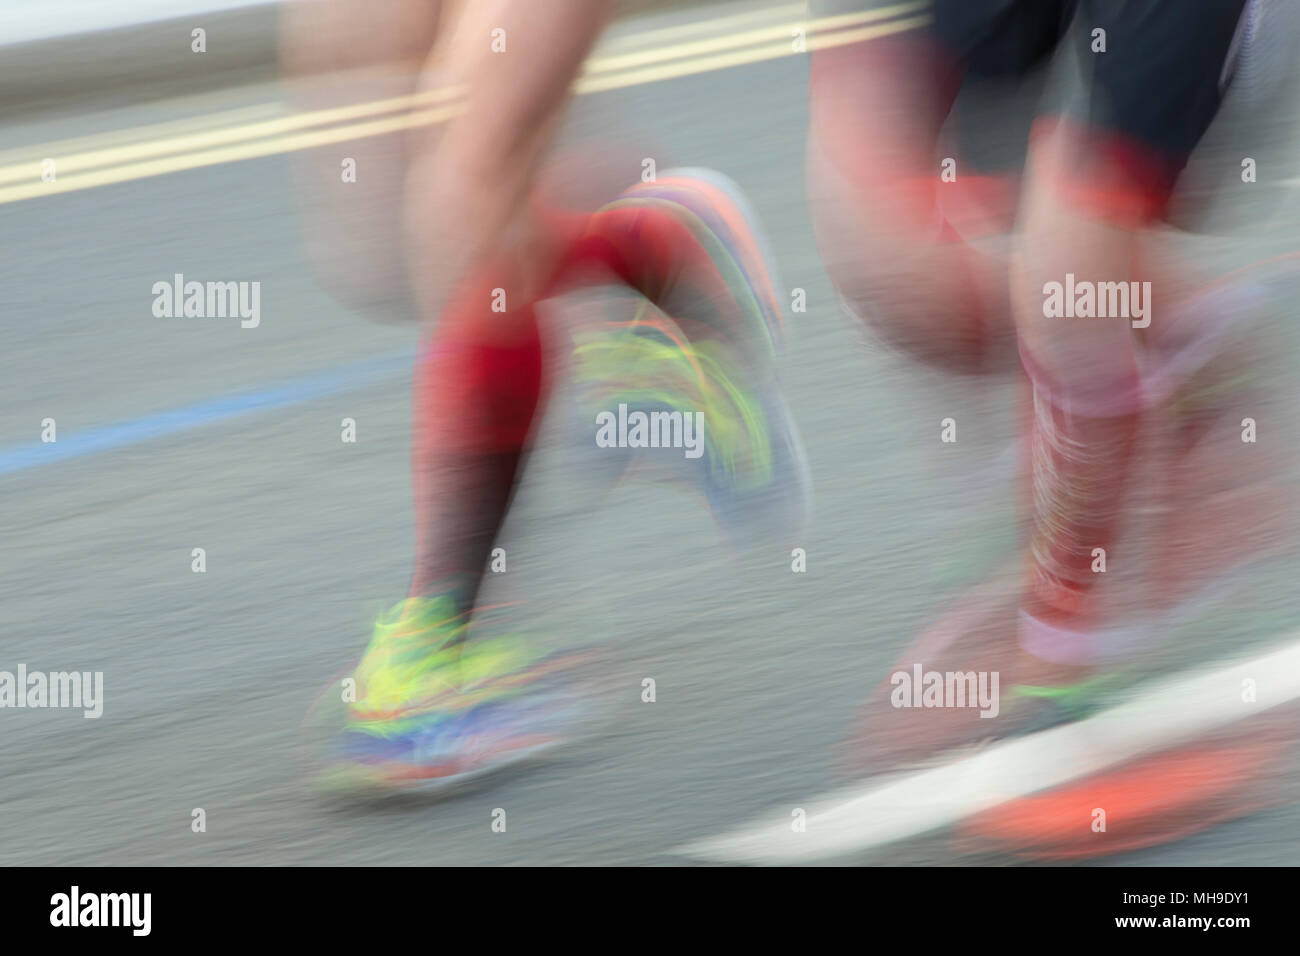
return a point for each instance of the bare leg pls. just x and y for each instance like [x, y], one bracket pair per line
[875, 193]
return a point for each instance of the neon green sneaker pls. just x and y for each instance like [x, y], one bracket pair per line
[432, 707]
[710, 408]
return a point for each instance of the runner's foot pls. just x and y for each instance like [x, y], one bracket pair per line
[717, 361]
[433, 707]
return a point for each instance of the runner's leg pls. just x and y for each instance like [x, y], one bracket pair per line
[882, 82]
[1096, 183]
[479, 261]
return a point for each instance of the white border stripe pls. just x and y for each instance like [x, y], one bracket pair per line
[1171, 711]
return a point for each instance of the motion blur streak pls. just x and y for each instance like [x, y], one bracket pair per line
[858, 432]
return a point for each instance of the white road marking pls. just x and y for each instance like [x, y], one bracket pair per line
[1170, 711]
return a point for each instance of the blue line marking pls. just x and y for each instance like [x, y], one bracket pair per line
[109, 437]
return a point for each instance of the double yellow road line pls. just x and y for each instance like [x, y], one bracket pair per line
[623, 61]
